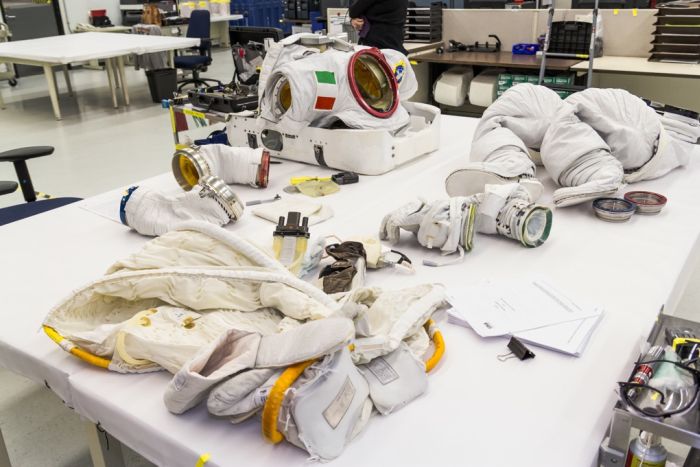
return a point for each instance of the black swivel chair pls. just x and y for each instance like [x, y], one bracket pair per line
[199, 27]
[32, 207]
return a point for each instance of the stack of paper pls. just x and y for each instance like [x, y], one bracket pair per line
[533, 311]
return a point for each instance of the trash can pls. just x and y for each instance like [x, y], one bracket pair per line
[162, 83]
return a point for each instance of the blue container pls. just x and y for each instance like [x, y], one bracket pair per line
[261, 13]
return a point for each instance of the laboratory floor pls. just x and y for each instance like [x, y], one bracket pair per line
[98, 148]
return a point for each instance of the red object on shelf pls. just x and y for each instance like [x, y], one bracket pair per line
[97, 13]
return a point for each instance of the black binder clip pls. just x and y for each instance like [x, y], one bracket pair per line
[517, 350]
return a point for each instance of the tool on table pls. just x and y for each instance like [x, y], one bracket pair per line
[312, 186]
[263, 201]
[647, 202]
[517, 350]
[455, 46]
[290, 240]
[345, 178]
[645, 369]
[614, 209]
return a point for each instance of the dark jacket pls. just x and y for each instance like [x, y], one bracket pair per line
[386, 18]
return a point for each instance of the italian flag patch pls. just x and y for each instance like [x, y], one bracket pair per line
[326, 90]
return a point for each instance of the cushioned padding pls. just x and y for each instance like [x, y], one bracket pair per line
[22, 211]
[192, 61]
[7, 187]
[22, 154]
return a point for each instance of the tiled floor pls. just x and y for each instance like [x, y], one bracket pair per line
[97, 148]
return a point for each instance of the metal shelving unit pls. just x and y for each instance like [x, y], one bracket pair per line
[684, 430]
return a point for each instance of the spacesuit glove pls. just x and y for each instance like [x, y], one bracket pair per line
[153, 213]
[407, 217]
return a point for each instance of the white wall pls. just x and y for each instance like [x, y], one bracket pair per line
[77, 11]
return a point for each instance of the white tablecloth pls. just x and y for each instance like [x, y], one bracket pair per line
[550, 411]
[89, 46]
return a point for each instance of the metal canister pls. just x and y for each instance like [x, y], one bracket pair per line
[646, 451]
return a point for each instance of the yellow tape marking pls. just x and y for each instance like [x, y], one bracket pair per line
[635, 12]
[203, 459]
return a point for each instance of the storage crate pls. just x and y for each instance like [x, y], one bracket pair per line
[262, 13]
[572, 37]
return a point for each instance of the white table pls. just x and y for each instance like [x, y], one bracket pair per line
[50, 52]
[551, 411]
[219, 26]
[640, 66]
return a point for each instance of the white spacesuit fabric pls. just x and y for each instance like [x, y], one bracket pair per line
[321, 94]
[236, 328]
[591, 144]
[578, 159]
[233, 165]
[235, 351]
[512, 126]
[150, 212]
[449, 224]
[326, 407]
[383, 319]
[356, 85]
[183, 306]
[395, 379]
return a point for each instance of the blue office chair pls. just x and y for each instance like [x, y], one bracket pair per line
[198, 27]
[32, 207]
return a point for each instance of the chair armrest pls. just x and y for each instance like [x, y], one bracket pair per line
[7, 188]
[22, 154]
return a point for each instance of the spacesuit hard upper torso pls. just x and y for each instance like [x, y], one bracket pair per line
[355, 86]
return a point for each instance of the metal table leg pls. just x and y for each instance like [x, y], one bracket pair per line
[112, 79]
[48, 72]
[2, 102]
[122, 78]
[66, 75]
[4, 457]
[105, 449]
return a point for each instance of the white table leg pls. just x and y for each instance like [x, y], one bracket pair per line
[171, 58]
[4, 457]
[66, 75]
[223, 34]
[105, 450]
[122, 78]
[112, 79]
[51, 81]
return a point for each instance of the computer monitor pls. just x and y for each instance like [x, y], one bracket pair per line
[244, 34]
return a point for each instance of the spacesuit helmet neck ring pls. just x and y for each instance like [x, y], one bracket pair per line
[373, 83]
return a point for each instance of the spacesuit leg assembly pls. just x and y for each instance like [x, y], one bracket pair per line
[150, 212]
[633, 131]
[244, 166]
[510, 128]
[578, 159]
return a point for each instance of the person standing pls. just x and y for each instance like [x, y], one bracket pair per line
[381, 23]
